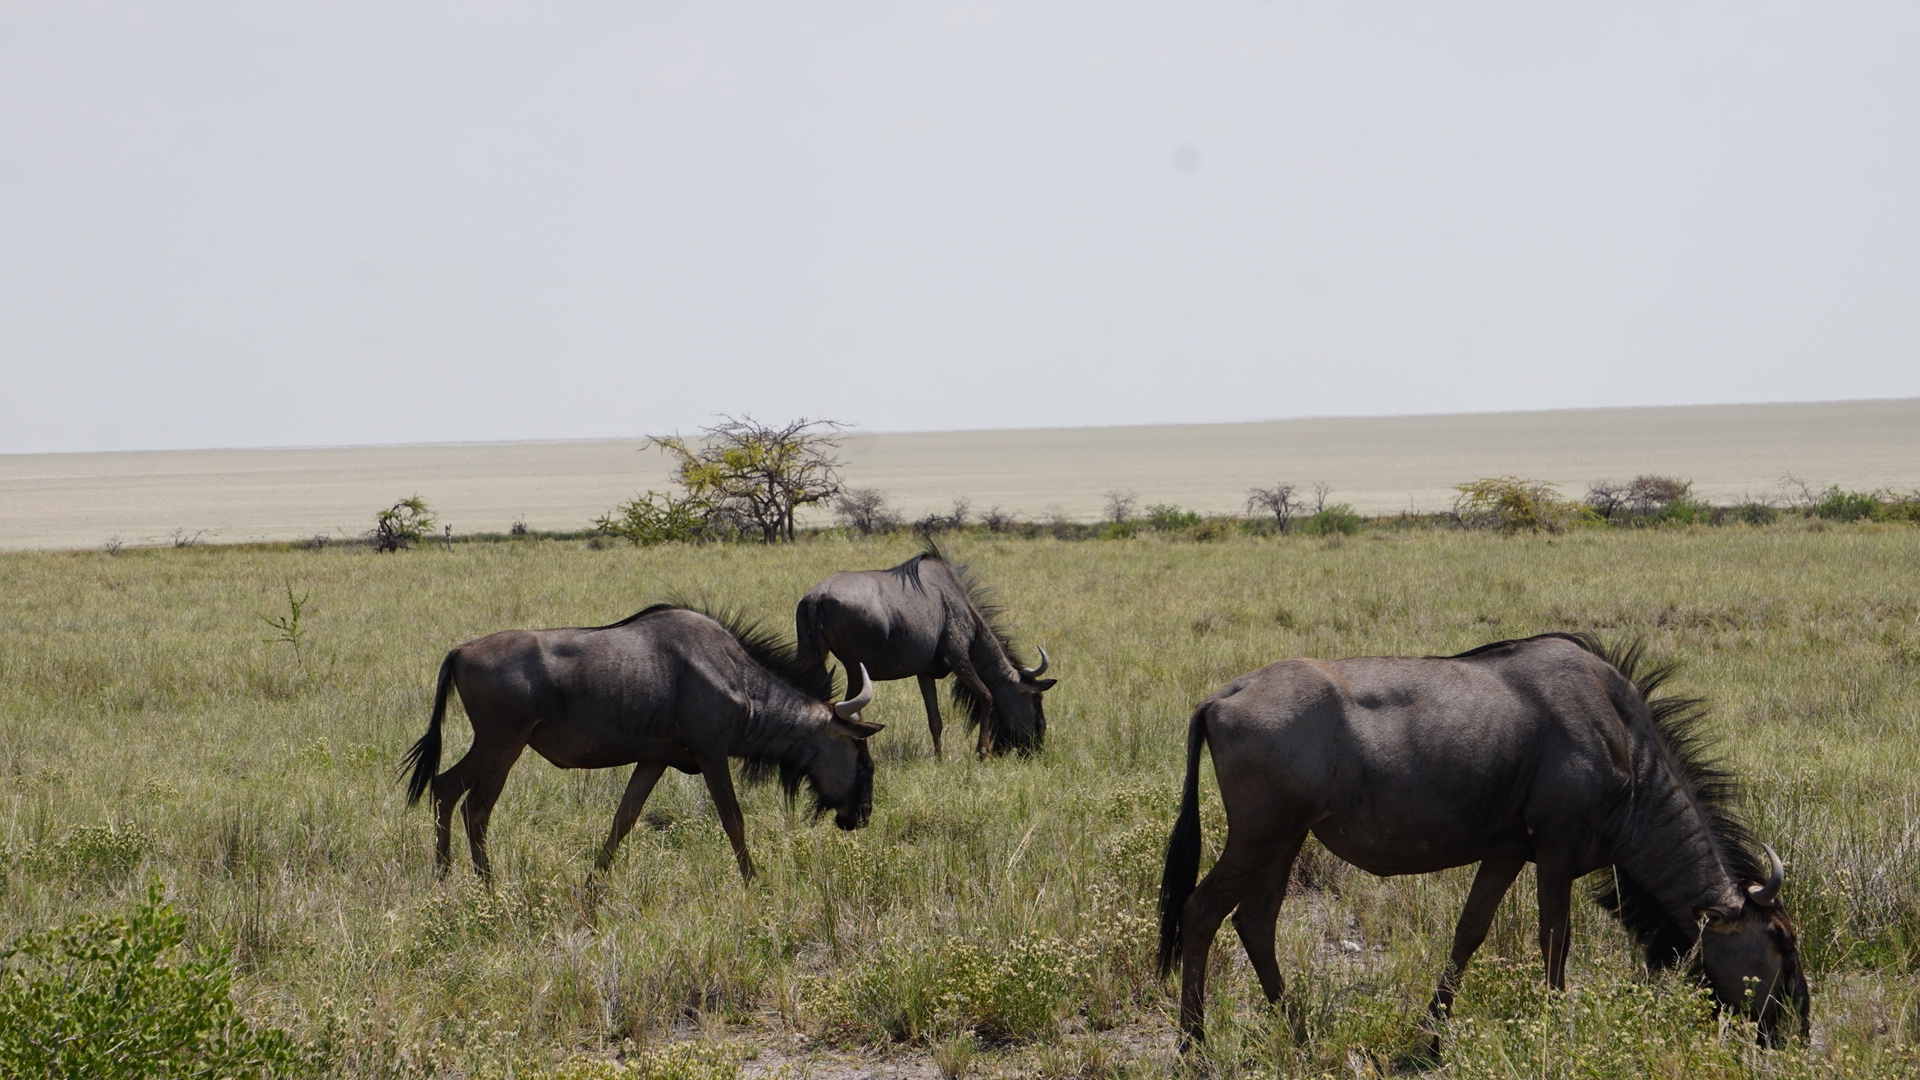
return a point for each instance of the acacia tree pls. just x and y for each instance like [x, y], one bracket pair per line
[1280, 500]
[755, 475]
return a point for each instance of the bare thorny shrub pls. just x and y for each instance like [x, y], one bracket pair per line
[866, 511]
[1643, 496]
[952, 521]
[1281, 500]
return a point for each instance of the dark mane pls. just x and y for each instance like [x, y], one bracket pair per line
[1585, 641]
[1677, 733]
[978, 710]
[1678, 736]
[766, 647]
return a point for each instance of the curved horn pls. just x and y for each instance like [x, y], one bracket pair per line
[1765, 894]
[1042, 669]
[850, 708]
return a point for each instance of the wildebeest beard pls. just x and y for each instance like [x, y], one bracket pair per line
[792, 767]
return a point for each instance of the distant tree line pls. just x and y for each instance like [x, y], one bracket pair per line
[745, 480]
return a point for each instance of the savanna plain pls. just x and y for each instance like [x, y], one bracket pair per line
[996, 918]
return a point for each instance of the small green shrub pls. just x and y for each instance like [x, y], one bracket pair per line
[1636, 1028]
[401, 525]
[1750, 513]
[909, 994]
[1684, 511]
[1214, 528]
[1901, 508]
[1338, 519]
[101, 852]
[1166, 517]
[1021, 993]
[1838, 505]
[893, 996]
[107, 998]
[657, 518]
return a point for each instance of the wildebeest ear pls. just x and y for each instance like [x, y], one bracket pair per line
[860, 729]
[1037, 685]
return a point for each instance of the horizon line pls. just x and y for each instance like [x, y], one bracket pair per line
[855, 429]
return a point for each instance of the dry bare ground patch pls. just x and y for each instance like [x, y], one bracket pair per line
[1379, 465]
[994, 919]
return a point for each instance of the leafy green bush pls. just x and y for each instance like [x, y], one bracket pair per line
[1750, 513]
[1336, 519]
[1901, 508]
[1684, 511]
[1019, 993]
[657, 518]
[1838, 505]
[1166, 517]
[1510, 504]
[401, 525]
[107, 998]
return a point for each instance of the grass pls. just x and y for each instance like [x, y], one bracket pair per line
[996, 914]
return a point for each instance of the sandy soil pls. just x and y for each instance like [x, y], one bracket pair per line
[1379, 465]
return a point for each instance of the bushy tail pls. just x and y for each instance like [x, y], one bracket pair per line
[424, 758]
[1183, 848]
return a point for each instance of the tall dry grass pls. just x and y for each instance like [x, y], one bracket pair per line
[150, 728]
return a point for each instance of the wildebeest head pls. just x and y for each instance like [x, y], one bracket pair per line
[1019, 709]
[1752, 957]
[839, 767]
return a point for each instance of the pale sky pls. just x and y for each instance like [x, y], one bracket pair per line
[335, 223]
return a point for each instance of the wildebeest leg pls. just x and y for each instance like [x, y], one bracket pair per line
[1555, 887]
[1259, 914]
[447, 789]
[489, 775]
[929, 694]
[720, 787]
[639, 786]
[1490, 885]
[1217, 894]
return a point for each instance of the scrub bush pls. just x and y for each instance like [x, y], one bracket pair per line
[1510, 504]
[1838, 505]
[657, 518]
[1336, 519]
[1166, 517]
[401, 525]
[110, 998]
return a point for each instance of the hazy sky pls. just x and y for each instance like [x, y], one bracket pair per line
[322, 223]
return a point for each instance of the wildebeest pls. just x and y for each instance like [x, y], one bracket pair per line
[926, 618]
[1549, 750]
[668, 686]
